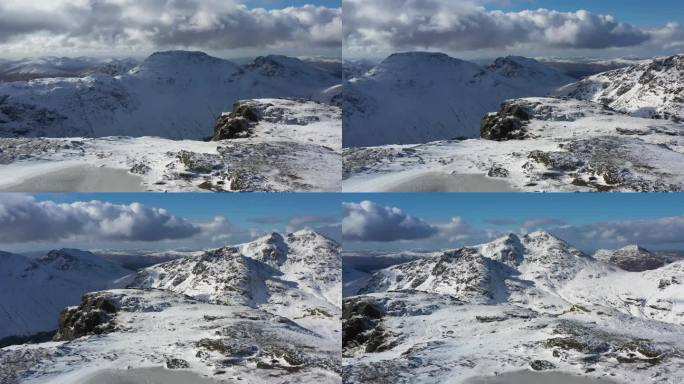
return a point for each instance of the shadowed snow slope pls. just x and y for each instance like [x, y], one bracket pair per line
[419, 97]
[33, 292]
[174, 94]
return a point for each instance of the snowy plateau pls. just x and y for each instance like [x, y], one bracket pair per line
[520, 305]
[178, 121]
[514, 125]
[267, 311]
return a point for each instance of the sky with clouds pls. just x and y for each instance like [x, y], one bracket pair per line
[158, 221]
[487, 28]
[441, 221]
[229, 28]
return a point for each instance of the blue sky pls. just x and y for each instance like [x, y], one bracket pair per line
[650, 13]
[635, 218]
[134, 221]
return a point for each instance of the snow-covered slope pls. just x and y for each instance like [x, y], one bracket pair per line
[559, 310]
[156, 336]
[174, 94]
[298, 274]
[419, 97]
[294, 145]
[533, 144]
[654, 89]
[33, 292]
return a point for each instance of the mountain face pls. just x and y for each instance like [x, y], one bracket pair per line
[653, 89]
[175, 95]
[50, 67]
[631, 258]
[481, 273]
[381, 106]
[33, 292]
[516, 304]
[302, 267]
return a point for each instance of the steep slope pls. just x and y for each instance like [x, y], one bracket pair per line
[631, 258]
[653, 89]
[297, 274]
[157, 336]
[464, 274]
[174, 94]
[420, 97]
[33, 292]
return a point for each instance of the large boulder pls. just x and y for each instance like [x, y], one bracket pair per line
[95, 316]
[237, 124]
[507, 124]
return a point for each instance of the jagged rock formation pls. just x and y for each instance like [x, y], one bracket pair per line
[507, 124]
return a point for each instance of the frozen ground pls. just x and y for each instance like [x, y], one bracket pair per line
[294, 147]
[565, 145]
[533, 304]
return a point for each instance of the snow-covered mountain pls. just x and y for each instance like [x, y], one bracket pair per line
[48, 67]
[419, 97]
[654, 89]
[516, 304]
[34, 291]
[174, 94]
[274, 271]
[632, 258]
[264, 311]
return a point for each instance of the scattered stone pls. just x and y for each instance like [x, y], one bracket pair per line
[541, 365]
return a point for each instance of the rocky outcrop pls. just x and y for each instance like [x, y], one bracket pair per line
[237, 124]
[631, 258]
[507, 124]
[94, 316]
[362, 327]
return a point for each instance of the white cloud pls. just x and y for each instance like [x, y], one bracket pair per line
[464, 25]
[661, 231]
[135, 25]
[368, 221]
[23, 219]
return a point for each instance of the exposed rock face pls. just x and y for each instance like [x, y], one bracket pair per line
[238, 123]
[631, 258]
[507, 124]
[93, 317]
[362, 326]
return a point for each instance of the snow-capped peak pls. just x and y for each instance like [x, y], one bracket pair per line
[507, 249]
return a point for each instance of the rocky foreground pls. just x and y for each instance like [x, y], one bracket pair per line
[263, 145]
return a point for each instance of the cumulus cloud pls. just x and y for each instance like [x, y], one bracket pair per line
[463, 25]
[368, 221]
[23, 219]
[161, 24]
